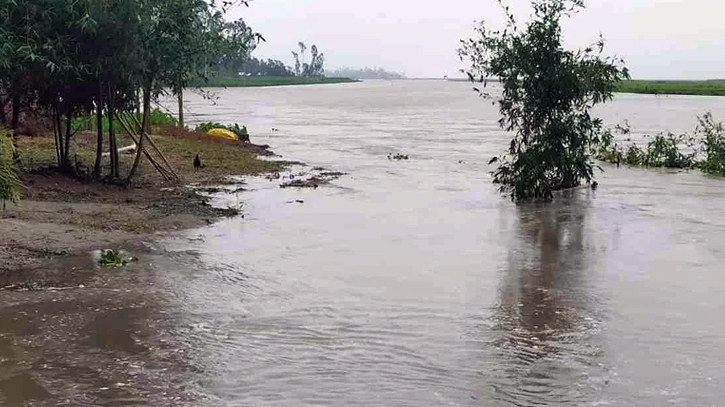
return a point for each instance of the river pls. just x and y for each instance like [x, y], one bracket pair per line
[414, 283]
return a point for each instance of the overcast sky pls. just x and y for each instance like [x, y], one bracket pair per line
[665, 39]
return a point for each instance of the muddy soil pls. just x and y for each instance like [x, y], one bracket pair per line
[73, 333]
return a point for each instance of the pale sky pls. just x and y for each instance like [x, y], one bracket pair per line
[659, 39]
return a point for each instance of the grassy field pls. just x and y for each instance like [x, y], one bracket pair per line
[256, 81]
[714, 87]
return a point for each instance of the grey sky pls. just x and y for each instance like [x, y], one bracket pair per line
[672, 39]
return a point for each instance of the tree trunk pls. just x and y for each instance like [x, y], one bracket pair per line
[139, 147]
[180, 94]
[14, 124]
[138, 105]
[16, 113]
[68, 128]
[112, 144]
[146, 114]
[99, 128]
[3, 115]
[58, 137]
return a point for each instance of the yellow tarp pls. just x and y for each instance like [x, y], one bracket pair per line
[223, 133]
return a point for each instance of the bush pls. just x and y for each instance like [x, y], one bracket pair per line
[662, 151]
[548, 93]
[242, 132]
[666, 149]
[713, 139]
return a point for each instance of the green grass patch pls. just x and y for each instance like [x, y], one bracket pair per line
[157, 117]
[715, 87]
[256, 81]
[220, 157]
[9, 183]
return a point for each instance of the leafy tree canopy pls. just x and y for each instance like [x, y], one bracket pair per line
[547, 95]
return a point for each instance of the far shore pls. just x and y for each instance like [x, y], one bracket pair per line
[259, 81]
[709, 87]
[712, 87]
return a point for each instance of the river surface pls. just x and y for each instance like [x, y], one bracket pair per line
[414, 283]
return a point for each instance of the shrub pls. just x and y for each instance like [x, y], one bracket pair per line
[548, 93]
[664, 151]
[713, 139]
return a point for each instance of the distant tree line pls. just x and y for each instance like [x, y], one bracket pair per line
[255, 67]
[365, 73]
[247, 65]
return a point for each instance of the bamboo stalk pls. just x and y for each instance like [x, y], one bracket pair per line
[164, 173]
[156, 148]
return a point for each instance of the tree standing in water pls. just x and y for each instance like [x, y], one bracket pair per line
[547, 95]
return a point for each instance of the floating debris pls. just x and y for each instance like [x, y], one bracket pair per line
[313, 182]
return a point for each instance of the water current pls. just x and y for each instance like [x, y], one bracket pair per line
[414, 283]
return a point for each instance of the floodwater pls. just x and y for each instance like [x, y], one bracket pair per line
[414, 283]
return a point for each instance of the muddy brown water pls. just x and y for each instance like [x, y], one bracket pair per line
[414, 283]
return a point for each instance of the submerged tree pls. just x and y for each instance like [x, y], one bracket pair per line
[547, 96]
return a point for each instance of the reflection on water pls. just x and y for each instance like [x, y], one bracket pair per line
[543, 323]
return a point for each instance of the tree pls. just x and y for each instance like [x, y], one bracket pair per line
[64, 58]
[314, 67]
[548, 93]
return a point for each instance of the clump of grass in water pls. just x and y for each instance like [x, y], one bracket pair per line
[112, 258]
[232, 211]
[664, 149]
[713, 135]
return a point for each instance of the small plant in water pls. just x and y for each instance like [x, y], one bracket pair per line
[664, 150]
[112, 258]
[713, 140]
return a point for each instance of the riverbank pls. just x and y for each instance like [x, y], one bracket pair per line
[715, 87]
[712, 87]
[259, 81]
[150, 204]
[73, 332]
